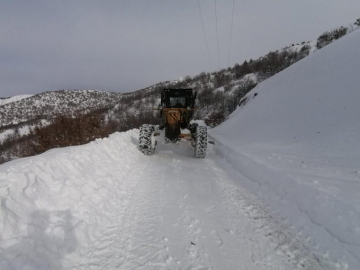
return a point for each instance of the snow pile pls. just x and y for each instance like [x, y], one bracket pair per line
[53, 202]
[13, 99]
[296, 138]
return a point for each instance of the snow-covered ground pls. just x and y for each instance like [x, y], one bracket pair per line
[297, 141]
[107, 206]
[13, 99]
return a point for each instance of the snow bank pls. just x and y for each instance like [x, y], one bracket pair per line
[52, 202]
[297, 141]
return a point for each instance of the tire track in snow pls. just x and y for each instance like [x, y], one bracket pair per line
[202, 221]
[111, 251]
[266, 228]
[192, 231]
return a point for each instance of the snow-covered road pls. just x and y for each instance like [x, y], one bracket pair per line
[106, 206]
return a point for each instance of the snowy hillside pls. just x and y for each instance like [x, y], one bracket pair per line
[13, 99]
[313, 103]
[56, 102]
[296, 138]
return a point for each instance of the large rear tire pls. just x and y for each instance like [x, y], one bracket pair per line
[200, 142]
[146, 144]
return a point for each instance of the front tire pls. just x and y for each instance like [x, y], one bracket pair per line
[146, 145]
[200, 142]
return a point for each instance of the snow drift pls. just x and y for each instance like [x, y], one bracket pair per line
[296, 138]
[51, 202]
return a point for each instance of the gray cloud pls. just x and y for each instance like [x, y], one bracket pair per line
[124, 45]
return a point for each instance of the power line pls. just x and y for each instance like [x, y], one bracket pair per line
[202, 23]
[231, 31]
[217, 36]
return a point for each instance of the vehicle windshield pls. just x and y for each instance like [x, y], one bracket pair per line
[177, 102]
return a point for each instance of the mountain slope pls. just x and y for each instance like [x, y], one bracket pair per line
[50, 104]
[313, 102]
[4, 101]
[296, 137]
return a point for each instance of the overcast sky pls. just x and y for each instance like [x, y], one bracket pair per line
[126, 45]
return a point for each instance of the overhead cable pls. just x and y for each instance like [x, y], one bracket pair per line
[217, 36]
[231, 31]
[207, 47]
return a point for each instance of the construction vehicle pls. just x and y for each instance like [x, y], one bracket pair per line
[176, 111]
